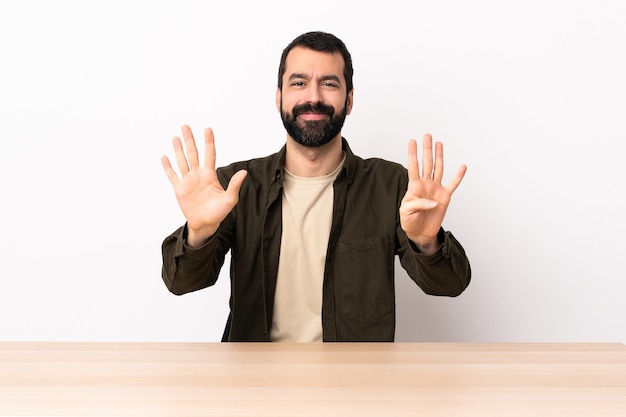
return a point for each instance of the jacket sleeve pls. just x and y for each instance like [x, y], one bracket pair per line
[446, 272]
[188, 269]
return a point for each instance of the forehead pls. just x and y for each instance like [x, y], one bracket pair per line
[302, 60]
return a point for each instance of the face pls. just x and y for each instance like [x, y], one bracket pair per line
[313, 102]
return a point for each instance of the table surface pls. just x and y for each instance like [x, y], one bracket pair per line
[325, 379]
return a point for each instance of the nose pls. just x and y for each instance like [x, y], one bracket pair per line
[312, 94]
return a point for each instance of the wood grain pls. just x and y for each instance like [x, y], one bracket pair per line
[332, 379]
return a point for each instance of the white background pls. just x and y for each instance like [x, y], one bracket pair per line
[531, 95]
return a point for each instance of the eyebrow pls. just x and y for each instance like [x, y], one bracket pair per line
[297, 75]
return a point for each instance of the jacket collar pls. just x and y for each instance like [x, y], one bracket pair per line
[347, 171]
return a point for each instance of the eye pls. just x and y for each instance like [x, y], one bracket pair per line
[297, 84]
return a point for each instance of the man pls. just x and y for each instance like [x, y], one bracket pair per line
[313, 230]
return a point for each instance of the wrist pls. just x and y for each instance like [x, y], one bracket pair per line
[198, 237]
[425, 245]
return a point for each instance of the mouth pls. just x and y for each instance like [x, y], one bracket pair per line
[313, 112]
[312, 116]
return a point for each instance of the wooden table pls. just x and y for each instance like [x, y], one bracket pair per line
[358, 379]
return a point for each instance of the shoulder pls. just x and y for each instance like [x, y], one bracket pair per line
[381, 164]
[259, 169]
[382, 173]
[356, 163]
[378, 167]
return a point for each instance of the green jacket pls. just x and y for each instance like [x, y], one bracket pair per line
[358, 289]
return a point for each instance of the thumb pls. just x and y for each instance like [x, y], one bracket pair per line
[418, 204]
[235, 183]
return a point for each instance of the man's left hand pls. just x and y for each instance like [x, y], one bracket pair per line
[426, 200]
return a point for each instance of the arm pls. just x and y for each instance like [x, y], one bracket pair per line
[193, 255]
[447, 272]
[434, 259]
[187, 269]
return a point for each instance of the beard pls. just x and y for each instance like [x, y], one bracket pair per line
[313, 133]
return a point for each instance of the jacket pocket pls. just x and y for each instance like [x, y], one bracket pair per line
[366, 271]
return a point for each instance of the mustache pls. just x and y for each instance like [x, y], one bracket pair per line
[313, 108]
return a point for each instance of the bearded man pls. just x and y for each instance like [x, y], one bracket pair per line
[312, 230]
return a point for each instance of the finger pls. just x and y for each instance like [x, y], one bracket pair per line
[427, 157]
[169, 171]
[457, 179]
[438, 169]
[412, 164]
[418, 204]
[190, 146]
[234, 185]
[181, 159]
[209, 148]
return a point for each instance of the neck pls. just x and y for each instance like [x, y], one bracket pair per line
[306, 161]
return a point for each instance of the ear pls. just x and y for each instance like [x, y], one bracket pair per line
[349, 101]
[278, 98]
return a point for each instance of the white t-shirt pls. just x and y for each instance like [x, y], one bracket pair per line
[307, 207]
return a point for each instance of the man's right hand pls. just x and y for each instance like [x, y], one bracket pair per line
[201, 197]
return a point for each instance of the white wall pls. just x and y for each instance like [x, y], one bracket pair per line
[531, 95]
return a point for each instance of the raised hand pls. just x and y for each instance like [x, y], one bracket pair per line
[426, 200]
[201, 197]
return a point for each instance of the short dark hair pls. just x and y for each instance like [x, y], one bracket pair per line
[321, 42]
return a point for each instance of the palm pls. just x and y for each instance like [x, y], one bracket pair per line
[202, 198]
